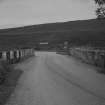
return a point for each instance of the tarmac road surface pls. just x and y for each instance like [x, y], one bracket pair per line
[53, 79]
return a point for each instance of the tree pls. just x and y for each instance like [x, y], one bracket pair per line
[100, 12]
[100, 2]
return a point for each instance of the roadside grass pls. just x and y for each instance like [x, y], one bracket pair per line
[8, 85]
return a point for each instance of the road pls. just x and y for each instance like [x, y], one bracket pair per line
[53, 79]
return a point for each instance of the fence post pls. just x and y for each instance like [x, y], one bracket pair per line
[1, 54]
[19, 55]
[11, 56]
[8, 56]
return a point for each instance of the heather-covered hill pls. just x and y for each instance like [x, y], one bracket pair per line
[76, 32]
[80, 25]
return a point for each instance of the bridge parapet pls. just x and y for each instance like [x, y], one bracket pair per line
[15, 55]
[89, 55]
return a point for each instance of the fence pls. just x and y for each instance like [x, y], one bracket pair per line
[92, 56]
[13, 56]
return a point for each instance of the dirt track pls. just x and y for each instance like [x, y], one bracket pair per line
[52, 79]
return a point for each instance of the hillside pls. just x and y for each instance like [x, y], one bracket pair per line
[76, 32]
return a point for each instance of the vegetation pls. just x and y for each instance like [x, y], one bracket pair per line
[100, 2]
[4, 70]
[8, 81]
[82, 32]
[100, 12]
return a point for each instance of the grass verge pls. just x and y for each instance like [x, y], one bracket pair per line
[9, 84]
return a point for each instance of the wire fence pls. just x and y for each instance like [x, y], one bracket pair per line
[15, 55]
[94, 56]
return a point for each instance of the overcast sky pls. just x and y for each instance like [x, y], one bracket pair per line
[15, 13]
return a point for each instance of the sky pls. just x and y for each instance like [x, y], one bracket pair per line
[15, 13]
